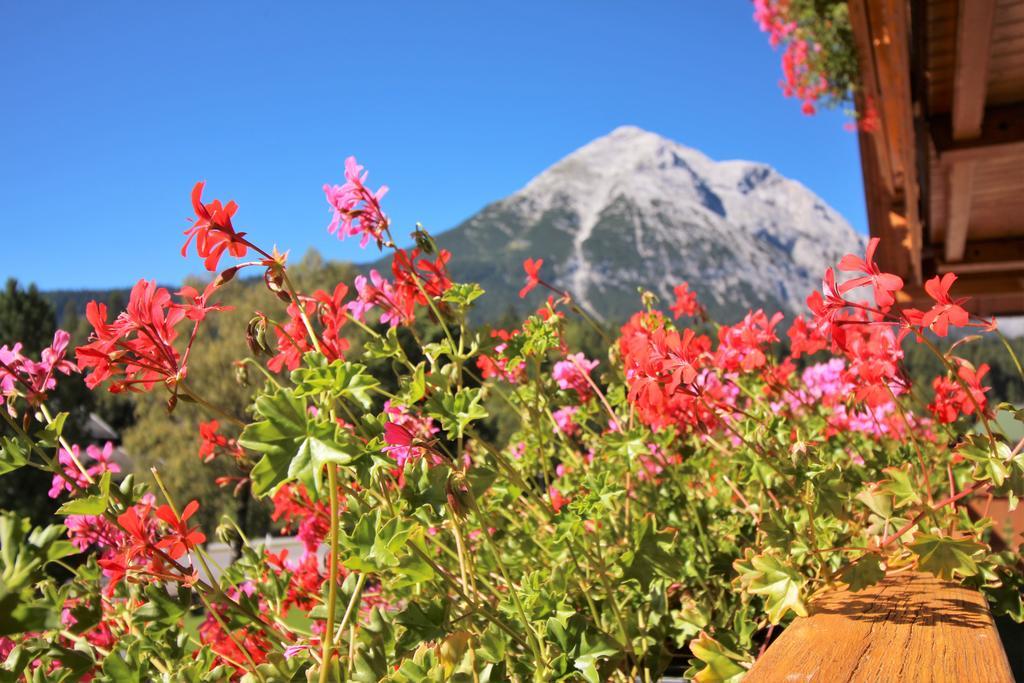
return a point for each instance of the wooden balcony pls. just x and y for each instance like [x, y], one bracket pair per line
[911, 627]
[944, 168]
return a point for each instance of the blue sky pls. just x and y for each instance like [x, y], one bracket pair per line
[112, 110]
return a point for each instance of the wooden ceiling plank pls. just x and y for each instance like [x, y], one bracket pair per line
[961, 177]
[988, 256]
[1001, 136]
[975, 23]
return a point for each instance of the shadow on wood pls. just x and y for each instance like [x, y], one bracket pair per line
[910, 627]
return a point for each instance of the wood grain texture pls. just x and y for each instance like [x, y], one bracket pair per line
[970, 76]
[911, 627]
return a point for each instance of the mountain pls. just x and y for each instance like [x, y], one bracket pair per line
[633, 209]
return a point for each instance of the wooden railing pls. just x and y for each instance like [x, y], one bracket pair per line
[910, 627]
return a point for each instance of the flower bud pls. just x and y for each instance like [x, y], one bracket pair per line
[458, 493]
[256, 335]
[424, 242]
[241, 373]
[648, 299]
[226, 275]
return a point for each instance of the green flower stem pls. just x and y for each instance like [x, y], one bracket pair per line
[212, 407]
[1013, 354]
[479, 608]
[53, 467]
[266, 373]
[332, 575]
[925, 472]
[206, 567]
[460, 546]
[293, 293]
[350, 610]
[64, 444]
[620, 620]
[538, 648]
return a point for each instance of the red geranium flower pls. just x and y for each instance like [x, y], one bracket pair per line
[946, 311]
[136, 349]
[883, 284]
[532, 268]
[181, 537]
[213, 231]
[686, 301]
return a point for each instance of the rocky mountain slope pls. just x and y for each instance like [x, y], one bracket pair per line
[633, 209]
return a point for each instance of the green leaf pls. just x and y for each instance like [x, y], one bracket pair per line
[385, 346]
[120, 671]
[423, 622]
[493, 644]
[878, 502]
[988, 466]
[768, 576]
[590, 652]
[21, 613]
[162, 608]
[456, 412]
[463, 294]
[295, 445]
[50, 436]
[651, 554]
[93, 504]
[866, 571]
[944, 556]
[377, 544]
[13, 454]
[425, 484]
[418, 383]
[718, 664]
[901, 486]
[1006, 599]
[309, 460]
[339, 378]
[269, 473]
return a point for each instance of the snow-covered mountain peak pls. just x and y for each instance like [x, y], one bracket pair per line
[635, 209]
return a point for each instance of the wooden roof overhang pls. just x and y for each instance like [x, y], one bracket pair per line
[944, 169]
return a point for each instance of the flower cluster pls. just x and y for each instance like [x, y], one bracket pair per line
[458, 504]
[819, 60]
[75, 474]
[137, 350]
[21, 376]
[356, 209]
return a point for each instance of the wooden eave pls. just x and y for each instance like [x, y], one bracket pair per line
[944, 169]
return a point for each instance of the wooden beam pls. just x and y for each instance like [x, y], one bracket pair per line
[960, 182]
[1001, 136]
[990, 256]
[889, 154]
[909, 627]
[975, 22]
[879, 155]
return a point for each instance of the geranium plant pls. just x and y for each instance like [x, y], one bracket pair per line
[678, 497]
[819, 55]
